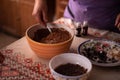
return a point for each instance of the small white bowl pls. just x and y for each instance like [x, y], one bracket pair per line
[73, 59]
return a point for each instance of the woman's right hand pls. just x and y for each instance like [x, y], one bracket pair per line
[40, 11]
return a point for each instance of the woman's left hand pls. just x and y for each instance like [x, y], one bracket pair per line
[117, 22]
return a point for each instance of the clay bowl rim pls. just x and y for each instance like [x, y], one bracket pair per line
[60, 43]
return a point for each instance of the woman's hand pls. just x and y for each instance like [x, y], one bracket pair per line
[40, 12]
[117, 22]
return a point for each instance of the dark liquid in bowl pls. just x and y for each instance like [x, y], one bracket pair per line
[70, 69]
[58, 35]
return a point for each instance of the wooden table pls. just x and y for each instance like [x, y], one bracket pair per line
[22, 49]
[22, 63]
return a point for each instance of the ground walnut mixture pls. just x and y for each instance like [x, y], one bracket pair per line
[58, 35]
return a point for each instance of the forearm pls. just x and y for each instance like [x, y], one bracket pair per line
[37, 0]
[40, 2]
[37, 4]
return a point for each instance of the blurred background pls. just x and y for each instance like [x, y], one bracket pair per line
[16, 17]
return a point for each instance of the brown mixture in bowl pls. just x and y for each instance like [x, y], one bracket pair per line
[58, 35]
[70, 69]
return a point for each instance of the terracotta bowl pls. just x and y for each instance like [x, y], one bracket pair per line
[48, 50]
